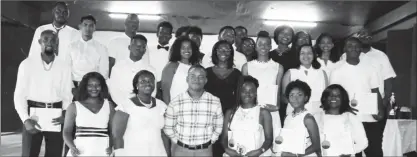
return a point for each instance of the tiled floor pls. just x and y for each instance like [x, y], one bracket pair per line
[11, 145]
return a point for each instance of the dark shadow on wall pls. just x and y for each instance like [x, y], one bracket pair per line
[15, 41]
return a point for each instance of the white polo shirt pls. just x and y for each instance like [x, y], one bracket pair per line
[381, 61]
[356, 78]
[66, 36]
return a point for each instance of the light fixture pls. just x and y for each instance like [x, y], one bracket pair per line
[290, 23]
[141, 17]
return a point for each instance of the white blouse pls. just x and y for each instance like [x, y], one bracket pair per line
[331, 126]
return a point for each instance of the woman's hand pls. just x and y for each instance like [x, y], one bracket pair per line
[75, 152]
[232, 152]
[109, 151]
[256, 152]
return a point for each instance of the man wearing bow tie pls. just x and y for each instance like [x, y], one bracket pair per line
[159, 54]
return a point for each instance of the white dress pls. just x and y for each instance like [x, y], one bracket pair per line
[266, 73]
[143, 131]
[316, 80]
[345, 125]
[179, 81]
[327, 67]
[91, 137]
[246, 132]
[296, 122]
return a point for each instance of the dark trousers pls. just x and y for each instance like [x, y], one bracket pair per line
[218, 149]
[374, 133]
[31, 143]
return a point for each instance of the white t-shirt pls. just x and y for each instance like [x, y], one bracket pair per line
[381, 61]
[358, 78]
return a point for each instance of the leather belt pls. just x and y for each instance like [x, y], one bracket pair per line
[195, 147]
[36, 104]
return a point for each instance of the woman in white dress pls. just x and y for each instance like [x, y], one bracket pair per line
[308, 71]
[327, 54]
[91, 113]
[344, 134]
[247, 128]
[184, 53]
[298, 94]
[137, 126]
[269, 74]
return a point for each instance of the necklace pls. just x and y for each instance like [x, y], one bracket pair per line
[45, 66]
[296, 114]
[149, 105]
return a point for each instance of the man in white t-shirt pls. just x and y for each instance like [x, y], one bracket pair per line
[358, 76]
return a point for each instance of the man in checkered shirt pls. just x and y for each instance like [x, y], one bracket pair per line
[194, 119]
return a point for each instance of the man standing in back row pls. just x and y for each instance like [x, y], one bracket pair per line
[118, 46]
[66, 34]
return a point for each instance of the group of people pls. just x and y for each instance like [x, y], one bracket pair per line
[244, 98]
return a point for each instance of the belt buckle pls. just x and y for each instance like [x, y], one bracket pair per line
[49, 105]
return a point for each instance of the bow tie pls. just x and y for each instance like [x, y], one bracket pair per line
[164, 47]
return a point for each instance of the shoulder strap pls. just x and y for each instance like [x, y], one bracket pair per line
[176, 65]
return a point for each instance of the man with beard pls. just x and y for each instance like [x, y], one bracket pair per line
[87, 54]
[159, 53]
[43, 84]
[118, 46]
[241, 32]
[227, 33]
[66, 34]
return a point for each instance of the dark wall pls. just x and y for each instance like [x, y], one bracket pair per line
[16, 36]
[402, 56]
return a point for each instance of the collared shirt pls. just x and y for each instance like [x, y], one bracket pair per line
[88, 56]
[380, 61]
[37, 84]
[121, 79]
[327, 67]
[118, 48]
[158, 59]
[194, 121]
[66, 36]
[360, 78]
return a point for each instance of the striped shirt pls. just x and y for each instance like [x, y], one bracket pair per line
[194, 121]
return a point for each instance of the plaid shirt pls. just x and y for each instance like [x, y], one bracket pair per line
[194, 122]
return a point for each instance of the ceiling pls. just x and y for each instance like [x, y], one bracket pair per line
[335, 17]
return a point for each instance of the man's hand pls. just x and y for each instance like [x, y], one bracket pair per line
[30, 126]
[58, 120]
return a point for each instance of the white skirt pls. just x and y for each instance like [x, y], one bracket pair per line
[91, 146]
